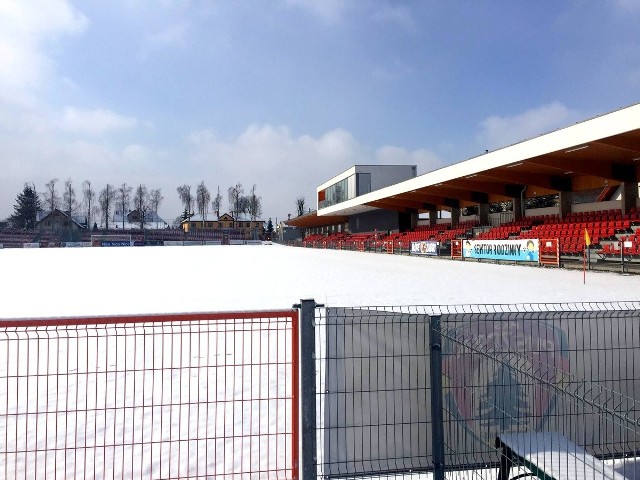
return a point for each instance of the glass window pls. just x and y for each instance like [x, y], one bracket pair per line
[363, 183]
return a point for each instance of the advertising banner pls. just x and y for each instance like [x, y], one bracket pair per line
[115, 243]
[526, 250]
[503, 372]
[424, 247]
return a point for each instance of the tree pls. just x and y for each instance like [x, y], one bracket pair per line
[254, 204]
[25, 211]
[142, 204]
[155, 199]
[300, 205]
[88, 195]
[237, 203]
[202, 200]
[123, 200]
[51, 199]
[95, 212]
[269, 226]
[217, 203]
[69, 198]
[106, 201]
[184, 192]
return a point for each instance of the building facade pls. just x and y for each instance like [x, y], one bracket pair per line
[248, 229]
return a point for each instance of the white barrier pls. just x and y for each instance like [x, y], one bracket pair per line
[173, 243]
[31, 245]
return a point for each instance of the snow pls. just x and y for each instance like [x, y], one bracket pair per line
[109, 281]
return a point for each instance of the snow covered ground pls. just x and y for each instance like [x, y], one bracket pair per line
[106, 281]
[111, 281]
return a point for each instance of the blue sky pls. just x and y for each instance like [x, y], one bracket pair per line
[285, 94]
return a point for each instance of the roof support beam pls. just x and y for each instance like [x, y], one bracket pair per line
[402, 202]
[433, 199]
[622, 142]
[493, 188]
[551, 182]
[610, 171]
[385, 205]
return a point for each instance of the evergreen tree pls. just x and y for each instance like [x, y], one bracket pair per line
[26, 208]
[269, 226]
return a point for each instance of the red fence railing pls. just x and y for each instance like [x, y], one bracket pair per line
[159, 396]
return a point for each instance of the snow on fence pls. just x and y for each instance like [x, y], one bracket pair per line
[162, 396]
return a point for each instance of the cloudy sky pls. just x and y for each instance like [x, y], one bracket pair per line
[285, 94]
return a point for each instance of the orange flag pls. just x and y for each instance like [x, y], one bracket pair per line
[587, 238]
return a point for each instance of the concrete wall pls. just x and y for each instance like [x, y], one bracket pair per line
[386, 175]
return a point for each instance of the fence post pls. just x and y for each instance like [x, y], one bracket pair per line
[437, 419]
[308, 447]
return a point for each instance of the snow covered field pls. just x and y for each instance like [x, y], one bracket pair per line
[106, 281]
[111, 281]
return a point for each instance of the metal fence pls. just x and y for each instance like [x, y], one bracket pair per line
[474, 391]
[456, 391]
[170, 396]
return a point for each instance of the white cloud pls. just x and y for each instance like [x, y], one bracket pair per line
[391, 73]
[94, 122]
[331, 11]
[395, 14]
[172, 36]
[496, 131]
[628, 5]
[285, 166]
[424, 159]
[24, 26]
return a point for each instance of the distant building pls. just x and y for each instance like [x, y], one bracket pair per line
[132, 220]
[249, 229]
[60, 225]
[361, 180]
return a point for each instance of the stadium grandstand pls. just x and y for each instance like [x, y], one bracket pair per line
[577, 186]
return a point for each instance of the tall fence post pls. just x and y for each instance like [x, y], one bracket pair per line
[437, 418]
[308, 447]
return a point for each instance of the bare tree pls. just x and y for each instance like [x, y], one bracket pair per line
[88, 195]
[51, 198]
[142, 204]
[184, 192]
[254, 205]
[155, 199]
[202, 200]
[123, 200]
[69, 197]
[300, 205]
[236, 202]
[106, 200]
[217, 203]
[95, 213]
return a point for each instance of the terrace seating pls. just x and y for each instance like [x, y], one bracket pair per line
[15, 238]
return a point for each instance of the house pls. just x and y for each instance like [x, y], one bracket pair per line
[248, 229]
[132, 220]
[59, 225]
